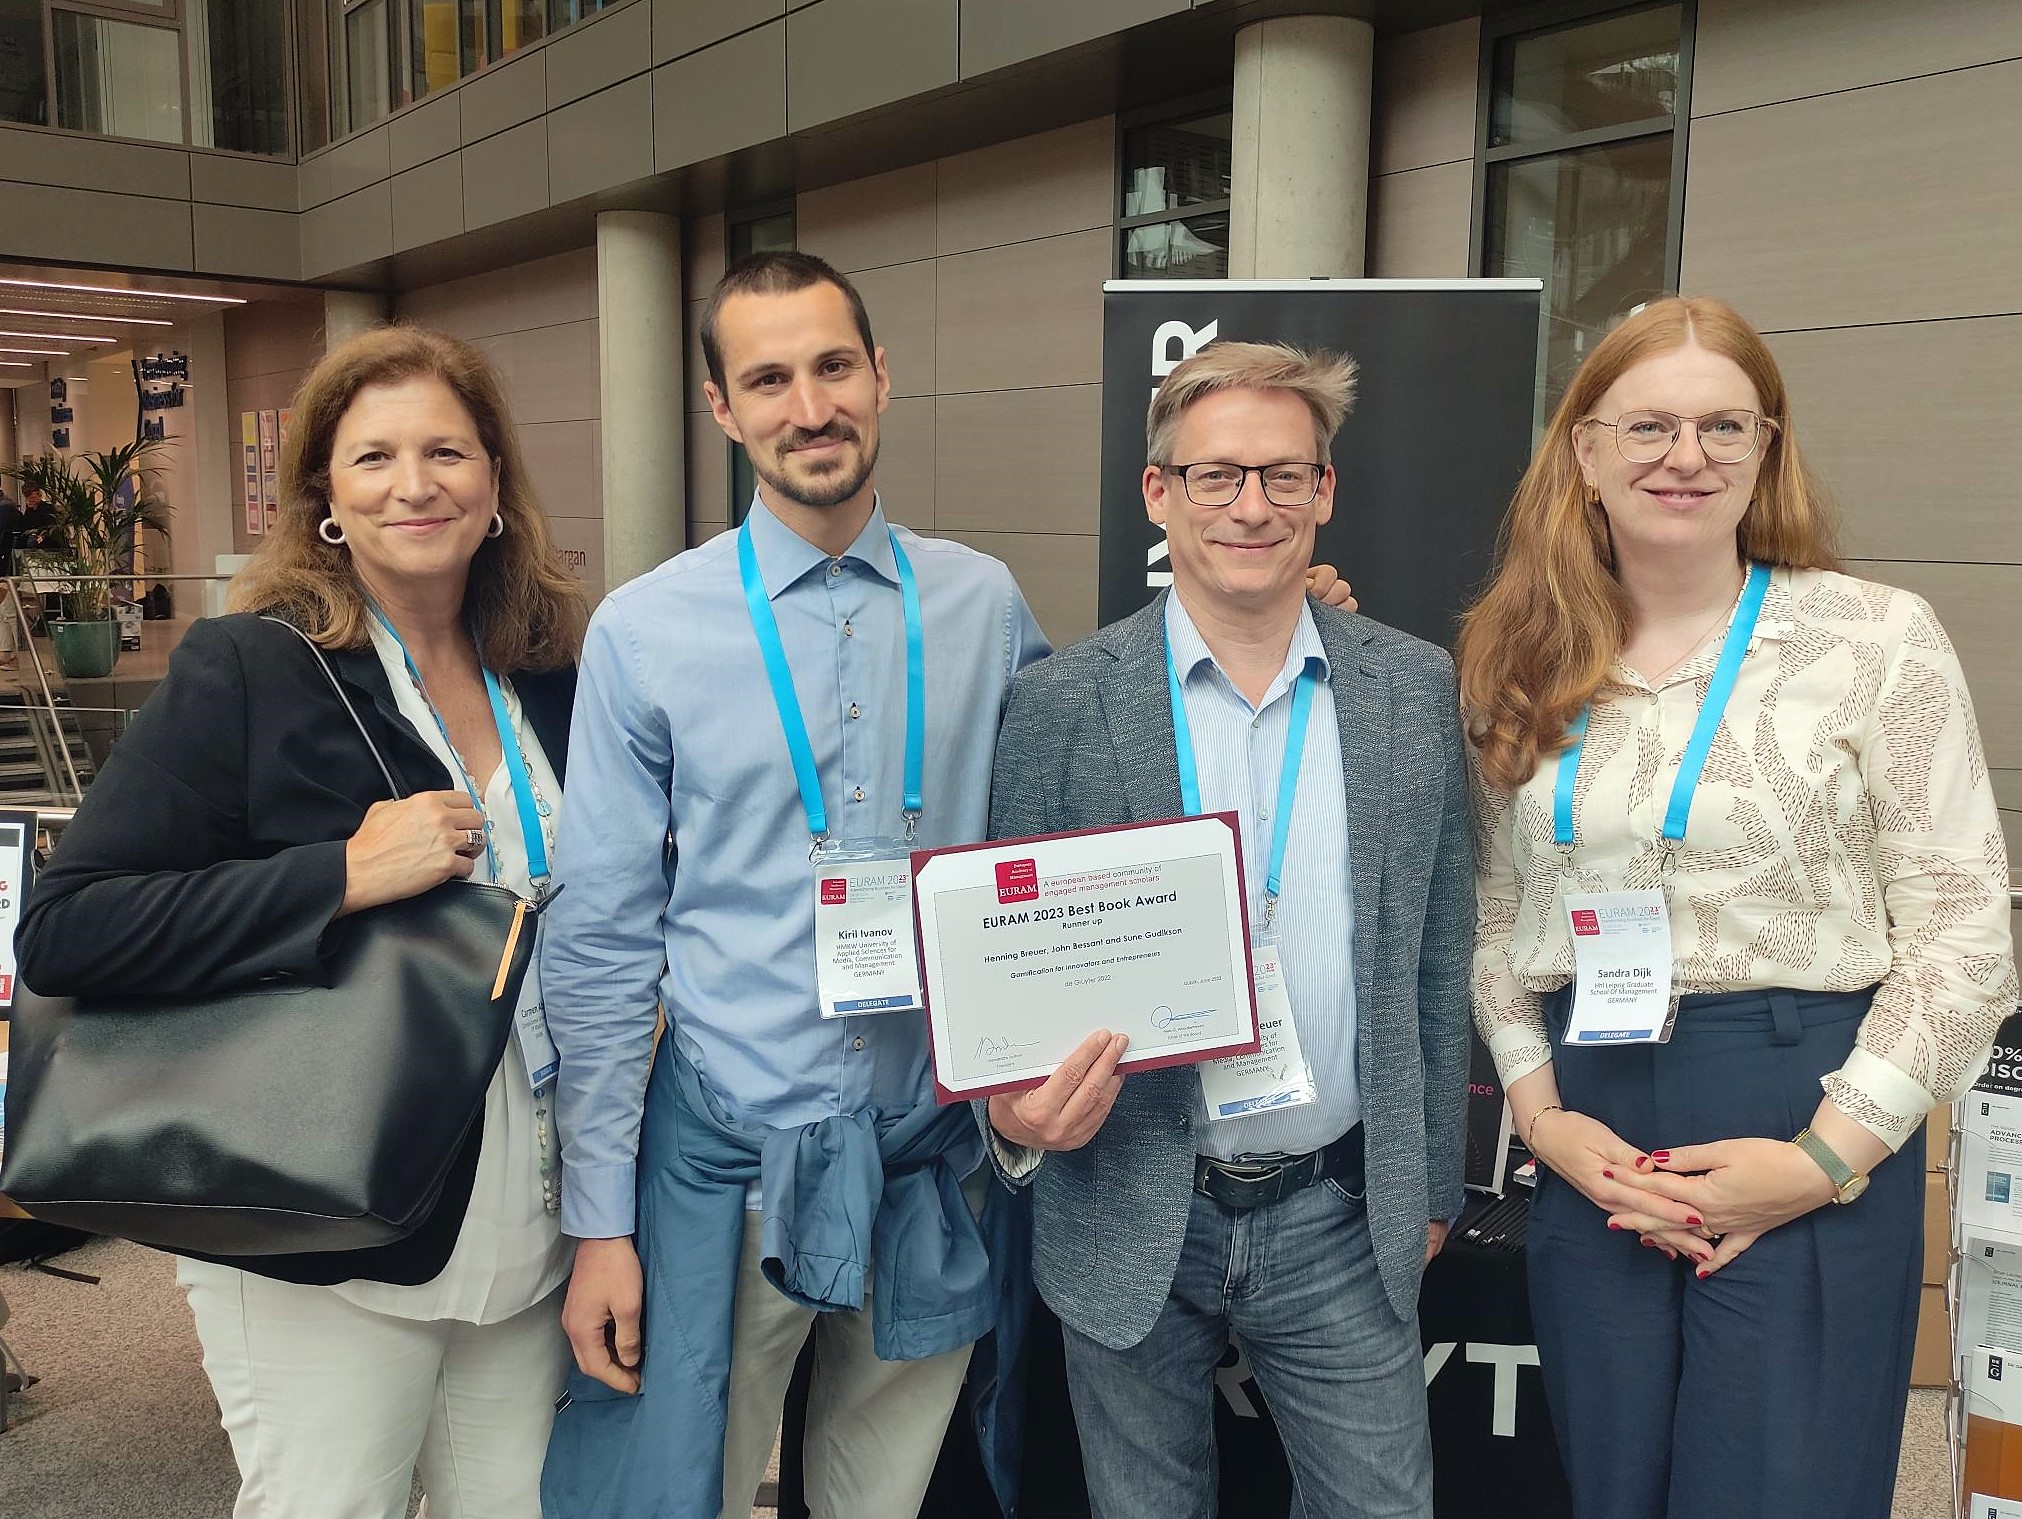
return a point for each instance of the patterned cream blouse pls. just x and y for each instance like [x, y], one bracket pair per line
[1844, 834]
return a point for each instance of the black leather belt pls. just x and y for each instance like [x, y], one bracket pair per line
[1250, 1184]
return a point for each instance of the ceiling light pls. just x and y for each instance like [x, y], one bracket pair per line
[15, 364]
[79, 316]
[131, 295]
[53, 337]
[54, 353]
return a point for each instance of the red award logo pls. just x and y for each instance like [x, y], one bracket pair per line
[1586, 922]
[835, 891]
[1018, 881]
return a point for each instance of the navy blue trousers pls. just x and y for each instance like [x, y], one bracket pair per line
[1776, 1388]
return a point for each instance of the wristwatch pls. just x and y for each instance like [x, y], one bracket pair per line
[1847, 1183]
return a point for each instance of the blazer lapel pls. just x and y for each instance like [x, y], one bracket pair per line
[548, 697]
[410, 759]
[1363, 711]
[1138, 710]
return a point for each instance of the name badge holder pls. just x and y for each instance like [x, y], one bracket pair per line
[1278, 1075]
[863, 891]
[1622, 958]
[530, 1021]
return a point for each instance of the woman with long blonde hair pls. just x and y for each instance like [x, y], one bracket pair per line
[1743, 923]
[243, 816]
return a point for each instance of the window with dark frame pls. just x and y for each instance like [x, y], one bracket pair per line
[1173, 194]
[195, 73]
[761, 229]
[1579, 167]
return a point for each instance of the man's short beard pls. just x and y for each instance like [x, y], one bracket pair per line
[820, 493]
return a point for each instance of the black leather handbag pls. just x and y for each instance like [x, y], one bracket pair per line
[293, 1114]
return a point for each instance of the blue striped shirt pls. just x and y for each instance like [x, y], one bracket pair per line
[1239, 750]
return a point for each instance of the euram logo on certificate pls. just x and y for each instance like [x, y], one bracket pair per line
[1030, 945]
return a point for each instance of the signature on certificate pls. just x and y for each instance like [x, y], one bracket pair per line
[1000, 1050]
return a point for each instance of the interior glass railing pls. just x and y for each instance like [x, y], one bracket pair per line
[54, 735]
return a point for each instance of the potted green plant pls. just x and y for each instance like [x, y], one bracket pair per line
[97, 501]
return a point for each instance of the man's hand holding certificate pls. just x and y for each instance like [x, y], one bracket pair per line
[1030, 946]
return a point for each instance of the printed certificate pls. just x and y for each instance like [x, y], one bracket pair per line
[1030, 945]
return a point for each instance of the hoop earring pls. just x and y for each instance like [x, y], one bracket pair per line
[330, 531]
[496, 528]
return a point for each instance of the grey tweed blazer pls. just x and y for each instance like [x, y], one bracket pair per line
[1087, 741]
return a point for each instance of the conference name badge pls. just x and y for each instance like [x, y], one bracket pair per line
[1277, 1075]
[863, 930]
[1622, 967]
[530, 1024]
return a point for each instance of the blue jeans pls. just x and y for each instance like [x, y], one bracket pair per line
[1343, 1375]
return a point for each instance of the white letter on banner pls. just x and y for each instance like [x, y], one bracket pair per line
[1163, 360]
[1506, 1359]
[1436, 1359]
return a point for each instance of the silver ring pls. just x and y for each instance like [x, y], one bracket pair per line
[473, 840]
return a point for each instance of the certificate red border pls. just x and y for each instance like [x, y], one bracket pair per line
[1128, 1065]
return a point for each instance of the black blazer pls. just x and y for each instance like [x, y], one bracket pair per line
[210, 851]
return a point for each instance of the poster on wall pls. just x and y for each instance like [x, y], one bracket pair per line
[270, 501]
[249, 453]
[17, 861]
[1426, 461]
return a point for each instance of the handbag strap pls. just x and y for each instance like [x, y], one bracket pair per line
[330, 675]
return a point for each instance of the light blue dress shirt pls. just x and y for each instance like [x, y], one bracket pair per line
[1239, 750]
[684, 848]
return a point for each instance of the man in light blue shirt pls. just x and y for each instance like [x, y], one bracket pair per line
[1293, 1201]
[685, 854]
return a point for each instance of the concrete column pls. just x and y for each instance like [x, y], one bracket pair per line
[640, 380]
[1299, 188]
[346, 313]
[206, 458]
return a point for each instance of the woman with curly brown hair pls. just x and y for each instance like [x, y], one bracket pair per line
[1743, 923]
[242, 815]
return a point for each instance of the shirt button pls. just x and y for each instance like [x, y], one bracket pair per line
[834, 568]
[858, 794]
[857, 1043]
[847, 630]
[855, 711]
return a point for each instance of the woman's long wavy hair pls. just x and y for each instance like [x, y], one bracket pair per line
[1536, 645]
[525, 610]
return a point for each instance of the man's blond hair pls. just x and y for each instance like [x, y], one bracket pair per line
[1324, 381]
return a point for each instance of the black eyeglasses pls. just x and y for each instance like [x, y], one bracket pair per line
[1218, 484]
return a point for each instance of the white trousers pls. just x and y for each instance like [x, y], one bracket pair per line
[332, 1408]
[874, 1428]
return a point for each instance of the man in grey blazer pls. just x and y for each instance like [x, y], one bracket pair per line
[1302, 1221]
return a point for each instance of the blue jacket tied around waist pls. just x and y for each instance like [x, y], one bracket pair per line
[856, 1197]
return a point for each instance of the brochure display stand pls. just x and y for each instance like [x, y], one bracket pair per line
[1983, 1287]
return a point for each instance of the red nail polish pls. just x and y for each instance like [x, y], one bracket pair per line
[1695, 1220]
[1613, 1225]
[1642, 1161]
[1703, 1274]
[1609, 1174]
[1662, 1157]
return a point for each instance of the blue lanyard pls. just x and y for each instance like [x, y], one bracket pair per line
[1718, 691]
[1288, 771]
[515, 762]
[805, 773]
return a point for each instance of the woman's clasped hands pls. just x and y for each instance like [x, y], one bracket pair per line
[1707, 1202]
